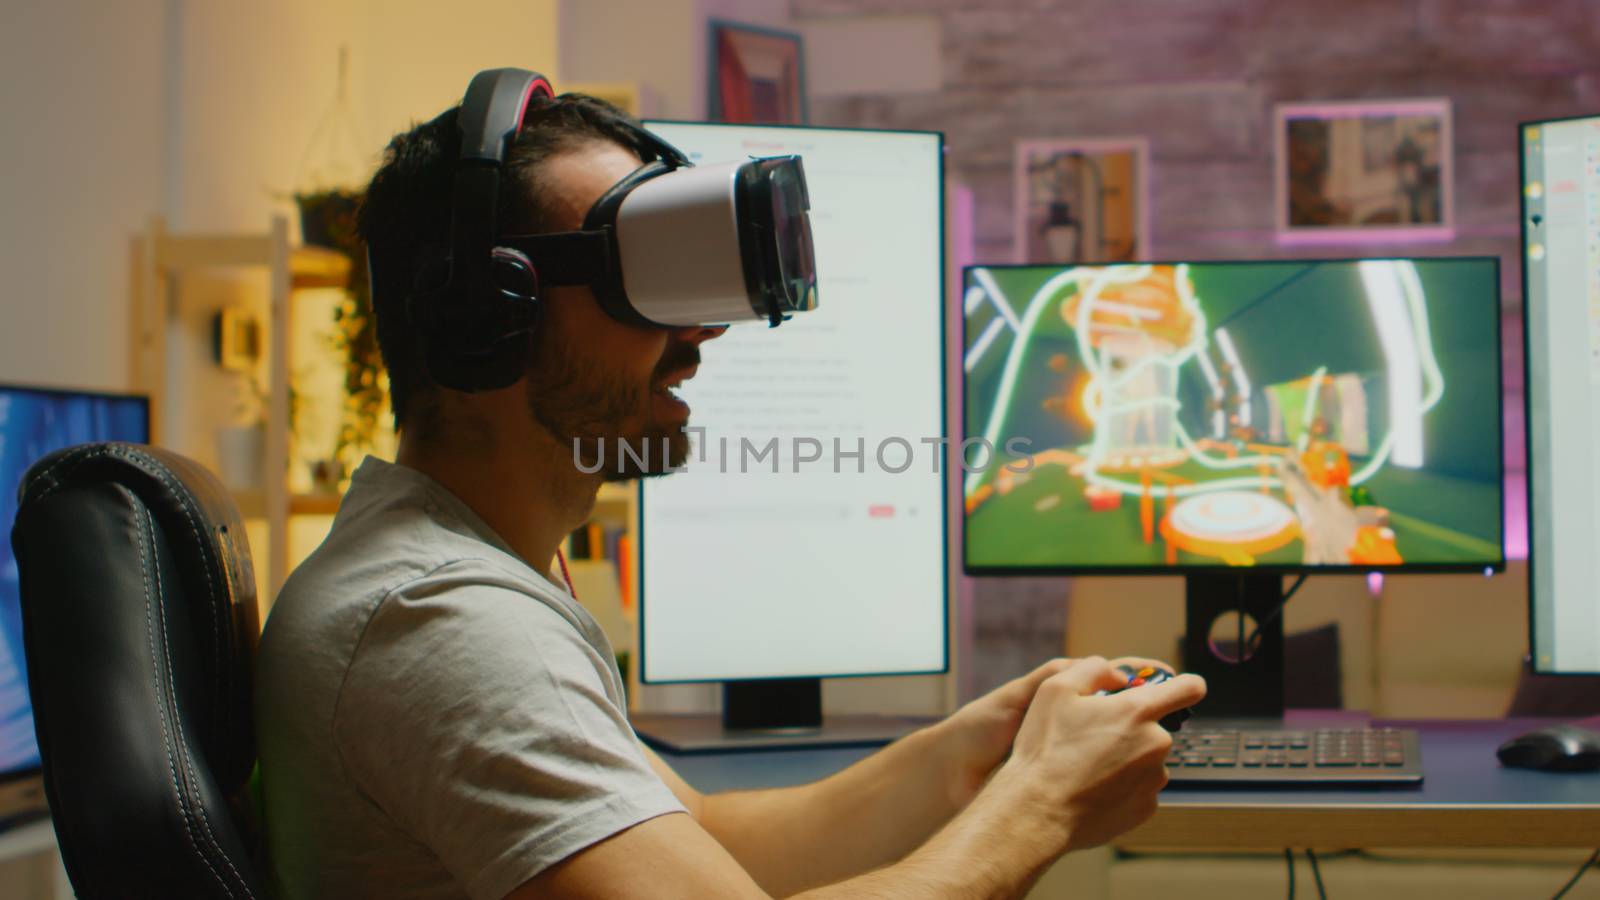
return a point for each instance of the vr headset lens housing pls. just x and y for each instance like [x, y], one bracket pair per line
[780, 229]
[711, 245]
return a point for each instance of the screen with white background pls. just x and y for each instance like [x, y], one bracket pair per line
[1561, 256]
[806, 537]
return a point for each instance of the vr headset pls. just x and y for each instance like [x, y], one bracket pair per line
[670, 245]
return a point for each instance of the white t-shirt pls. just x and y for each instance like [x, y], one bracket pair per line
[435, 718]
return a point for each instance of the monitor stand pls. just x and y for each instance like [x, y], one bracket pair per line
[774, 714]
[1249, 688]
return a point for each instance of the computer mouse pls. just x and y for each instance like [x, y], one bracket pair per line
[1559, 748]
[1151, 675]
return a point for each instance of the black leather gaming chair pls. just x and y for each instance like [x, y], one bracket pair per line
[140, 628]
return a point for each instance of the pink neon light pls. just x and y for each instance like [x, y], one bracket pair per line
[1419, 234]
[1353, 109]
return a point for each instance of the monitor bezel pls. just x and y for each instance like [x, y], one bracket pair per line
[1186, 569]
[943, 152]
[8, 776]
[1527, 393]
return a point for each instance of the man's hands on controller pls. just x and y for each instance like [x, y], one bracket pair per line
[1143, 675]
[978, 737]
[1090, 754]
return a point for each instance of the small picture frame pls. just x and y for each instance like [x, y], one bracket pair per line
[756, 75]
[1082, 200]
[1366, 171]
[237, 343]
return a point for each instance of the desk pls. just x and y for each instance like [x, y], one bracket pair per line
[35, 843]
[1466, 800]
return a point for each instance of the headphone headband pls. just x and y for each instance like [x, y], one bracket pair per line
[477, 305]
[492, 113]
[493, 110]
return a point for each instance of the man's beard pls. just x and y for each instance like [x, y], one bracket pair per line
[605, 419]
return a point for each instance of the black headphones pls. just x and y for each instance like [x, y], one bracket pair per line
[474, 308]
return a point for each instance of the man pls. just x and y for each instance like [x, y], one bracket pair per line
[439, 718]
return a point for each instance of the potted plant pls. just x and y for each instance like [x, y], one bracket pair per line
[328, 196]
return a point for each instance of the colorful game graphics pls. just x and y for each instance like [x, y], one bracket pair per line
[1327, 413]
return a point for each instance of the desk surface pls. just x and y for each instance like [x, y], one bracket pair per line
[1467, 798]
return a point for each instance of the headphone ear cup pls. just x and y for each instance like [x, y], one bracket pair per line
[515, 275]
[432, 276]
[477, 342]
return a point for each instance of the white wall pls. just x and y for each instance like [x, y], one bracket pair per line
[645, 42]
[252, 85]
[82, 161]
[257, 78]
[200, 111]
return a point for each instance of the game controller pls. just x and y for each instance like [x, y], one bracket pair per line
[1152, 675]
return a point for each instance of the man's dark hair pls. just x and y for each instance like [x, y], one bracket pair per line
[405, 216]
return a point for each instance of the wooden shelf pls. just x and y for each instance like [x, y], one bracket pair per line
[614, 501]
[309, 267]
[25, 840]
[163, 259]
[253, 504]
[317, 267]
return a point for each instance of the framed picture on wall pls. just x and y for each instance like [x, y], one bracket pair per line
[1363, 171]
[756, 75]
[236, 339]
[1082, 200]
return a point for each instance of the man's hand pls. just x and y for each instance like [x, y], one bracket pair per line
[977, 738]
[1082, 770]
[1096, 763]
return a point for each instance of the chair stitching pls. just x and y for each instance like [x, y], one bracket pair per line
[150, 466]
[215, 615]
[65, 459]
[188, 757]
[177, 792]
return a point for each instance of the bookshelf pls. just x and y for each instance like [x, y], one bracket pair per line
[162, 260]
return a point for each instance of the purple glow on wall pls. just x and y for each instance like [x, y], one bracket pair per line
[1516, 515]
[1513, 426]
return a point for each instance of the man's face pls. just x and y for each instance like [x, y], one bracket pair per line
[594, 380]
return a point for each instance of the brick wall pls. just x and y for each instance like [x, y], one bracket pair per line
[1199, 78]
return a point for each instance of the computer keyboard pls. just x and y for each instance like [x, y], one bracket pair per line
[1348, 756]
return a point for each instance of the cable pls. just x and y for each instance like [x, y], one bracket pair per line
[1316, 872]
[562, 558]
[1576, 875]
[1288, 857]
[1271, 617]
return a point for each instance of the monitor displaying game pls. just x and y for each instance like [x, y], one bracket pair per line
[34, 423]
[1321, 414]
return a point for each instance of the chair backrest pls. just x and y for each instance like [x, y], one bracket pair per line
[140, 627]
